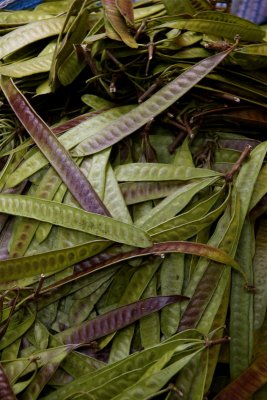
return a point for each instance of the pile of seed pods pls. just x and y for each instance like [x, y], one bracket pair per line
[133, 200]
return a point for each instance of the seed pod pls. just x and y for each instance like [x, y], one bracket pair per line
[53, 150]
[156, 104]
[116, 319]
[251, 380]
[241, 323]
[6, 391]
[133, 292]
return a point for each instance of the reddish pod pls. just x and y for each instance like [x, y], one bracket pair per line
[6, 392]
[53, 150]
[116, 319]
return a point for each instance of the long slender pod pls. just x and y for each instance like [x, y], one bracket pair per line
[246, 384]
[145, 358]
[75, 131]
[217, 332]
[241, 323]
[25, 230]
[44, 375]
[158, 249]
[133, 292]
[73, 218]
[173, 204]
[53, 150]
[116, 319]
[114, 199]
[210, 280]
[6, 391]
[183, 382]
[150, 325]
[152, 107]
[197, 391]
[259, 268]
[171, 282]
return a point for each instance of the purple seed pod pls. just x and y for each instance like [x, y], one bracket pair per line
[6, 392]
[53, 150]
[116, 319]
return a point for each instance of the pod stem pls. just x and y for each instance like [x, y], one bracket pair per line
[229, 176]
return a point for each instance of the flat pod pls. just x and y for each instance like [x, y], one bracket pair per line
[24, 365]
[260, 187]
[55, 7]
[227, 29]
[153, 381]
[150, 325]
[211, 286]
[116, 12]
[47, 262]
[74, 218]
[156, 104]
[225, 17]
[159, 249]
[225, 233]
[53, 150]
[193, 215]
[256, 49]
[71, 138]
[171, 282]
[67, 63]
[114, 199]
[188, 229]
[141, 13]
[259, 270]
[6, 391]
[139, 172]
[116, 319]
[138, 283]
[137, 192]
[247, 383]
[15, 332]
[30, 33]
[181, 7]
[36, 65]
[214, 352]
[134, 362]
[174, 203]
[247, 90]
[25, 229]
[44, 375]
[11, 19]
[247, 177]
[241, 323]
